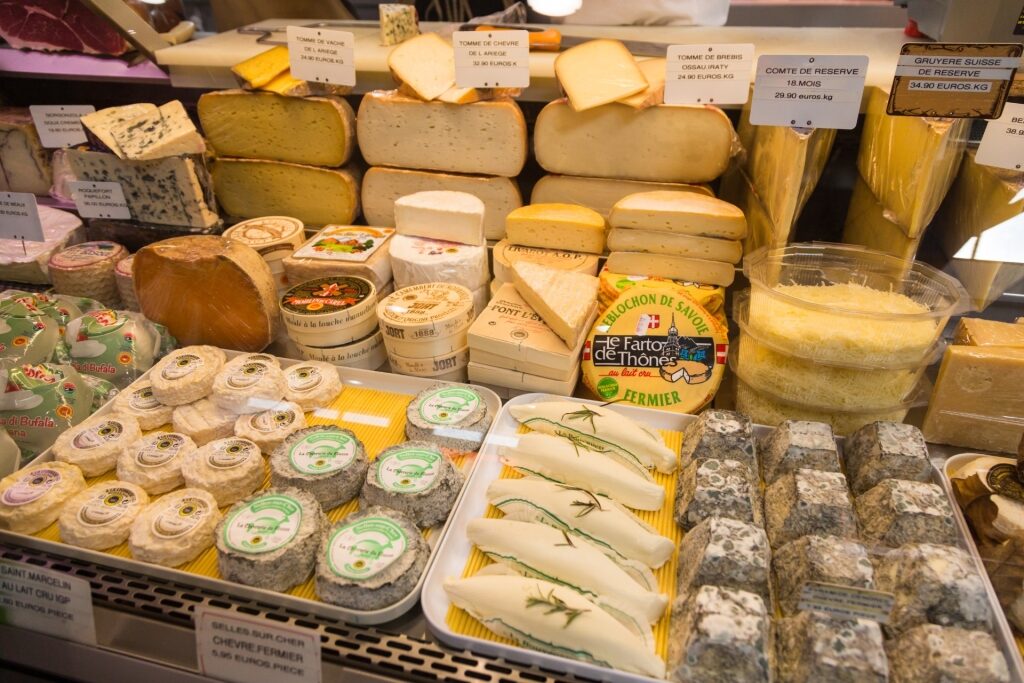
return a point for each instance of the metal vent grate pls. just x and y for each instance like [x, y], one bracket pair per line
[373, 650]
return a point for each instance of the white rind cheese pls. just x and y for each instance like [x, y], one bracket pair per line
[565, 300]
[441, 215]
[186, 375]
[418, 260]
[312, 384]
[101, 516]
[230, 469]
[175, 529]
[203, 421]
[95, 445]
[267, 429]
[248, 384]
[414, 478]
[31, 498]
[142, 404]
[154, 461]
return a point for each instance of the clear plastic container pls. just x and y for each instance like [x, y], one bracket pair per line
[847, 304]
[848, 386]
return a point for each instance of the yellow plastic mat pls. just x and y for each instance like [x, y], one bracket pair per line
[376, 417]
[662, 520]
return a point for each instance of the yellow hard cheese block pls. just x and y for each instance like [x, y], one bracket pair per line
[425, 63]
[672, 267]
[981, 332]
[868, 226]
[566, 227]
[257, 71]
[762, 231]
[656, 242]
[978, 402]
[563, 299]
[658, 348]
[909, 162]
[599, 194]
[251, 188]
[686, 213]
[612, 285]
[304, 130]
[598, 72]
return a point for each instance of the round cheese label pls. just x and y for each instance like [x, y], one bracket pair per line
[428, 311]
[328, 296]
[270, 421]
[143, 400]
[229, 453]
[323, 453]
[107, 506]
[408, 470]
[365, 548]
[263, 525]
[612, 285]
[448, 406]
[303, 379]
[247, 374]
[98, 434]
[159, 449]
[32, 485]
[181, 365]
[268, 231]
[87, 254]
[180, 517]
[656, 347]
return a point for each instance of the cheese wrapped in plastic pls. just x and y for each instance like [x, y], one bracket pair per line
[27, 261]
[39, 402]
[868, 225]
[117, 346]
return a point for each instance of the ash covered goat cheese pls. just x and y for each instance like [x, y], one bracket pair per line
[806, 503]
[822, 559]
[717, 488]
[451, 415]
[798, 445]
[327, 461]
[896, 512]
[414, 478]
[719, 434]
[885, 450]
[812, 646]
[724, 552]
[937, 654]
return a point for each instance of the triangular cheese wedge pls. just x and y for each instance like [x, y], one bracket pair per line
[654, 71]
[426, 64]
[598, 72]
[563, 299]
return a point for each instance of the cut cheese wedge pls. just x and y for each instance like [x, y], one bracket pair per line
[565, 461]
[165, 133]
[426, 64]
[867, 225]
[566, 227]
[563, 299]
[606, 523]
[687, 213]
[669, 144]
[602, 429]
[286, 84]
[547, 553]
[98, 124]
[693, 246]
[599, 194]
[672, 267]
[654, 71]
[598, 72]
[257, 71]
[519, 608]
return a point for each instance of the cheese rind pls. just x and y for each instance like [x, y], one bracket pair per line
[425, 63]
[505, 254]
[654, 72]
[674, 144]
[24, 164]
[598, 72]
[655, 242]
[168, 132]
[564, 300]
[687, 213]
[599, 194]
[565, 227]
[441, 215]
[484, 137]
[382, 186]
[672, 267]
[250, 188]
[319, 131]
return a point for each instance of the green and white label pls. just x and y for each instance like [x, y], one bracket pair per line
[323, 453]
[409, 470]
[448, 405]
[363, 549]
[263, 525]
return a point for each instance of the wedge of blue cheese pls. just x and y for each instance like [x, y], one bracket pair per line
[397, 23]
[166, 132]
[99, 124]
[416, 479]
[24, 163]
[327, 461]
[724, 552]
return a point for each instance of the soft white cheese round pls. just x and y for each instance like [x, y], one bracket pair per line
[230, 469]
[270, 427]
[95, 445]
[418, 260]
[312, 384]
[176, 528]
[248, 384]
[154, 461]
[203, 421]
[31, 499]
[140, 402]
[186, 375]
[101, 516]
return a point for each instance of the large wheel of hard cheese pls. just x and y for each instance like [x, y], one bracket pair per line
[208, 290]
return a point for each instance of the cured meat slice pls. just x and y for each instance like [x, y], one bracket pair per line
[58, 25]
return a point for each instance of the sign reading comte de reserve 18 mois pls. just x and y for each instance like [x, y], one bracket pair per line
[808, 91]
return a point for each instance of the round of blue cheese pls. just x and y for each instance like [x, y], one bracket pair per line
[101, 516]
[370, 560]
[270, 539]
[249, 383]
[230, 469]
[154, 461]
[327, 461]
[452, 416]
[175, 529]
[414, 478]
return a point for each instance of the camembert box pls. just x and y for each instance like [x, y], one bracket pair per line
[355, 250]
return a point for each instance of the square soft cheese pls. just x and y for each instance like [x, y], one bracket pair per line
[720, 434]
[936, 654]
[441, 215]
[813, 647]
[885, 450]
[724, 552]
[720, 635]
[896, 512]
[822, 559]
[797, 444]
[717, 488]
[808, 503]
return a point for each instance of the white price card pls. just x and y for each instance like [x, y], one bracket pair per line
[846, 602]
[322, 55]
[59, 125]
[46, 601]
[99, 200]
[243, 649]
[492, 59]
[708, 74]
[1002, 144]
[19, 217]
[808, 91]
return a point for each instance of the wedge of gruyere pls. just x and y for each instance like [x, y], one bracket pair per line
[383, 185]
[669, 144]
[687, 213]
[671, 267]
[208, 290]
[598, 72]
[653, 70]
[599, 194]
[425, 63]
[441, 215]
[981, 332]
[319, 131]
[487, 138]
[977, 401]
[909, 162]
[566, 227]
[251, 188]
[981, 198]
[867, 225]
[674, 244]
[563, 299]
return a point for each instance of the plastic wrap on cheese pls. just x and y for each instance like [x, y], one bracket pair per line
[38, 402]
[116, 346]
[26, 261]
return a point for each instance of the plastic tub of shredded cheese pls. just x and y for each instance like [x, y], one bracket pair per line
[842, 304]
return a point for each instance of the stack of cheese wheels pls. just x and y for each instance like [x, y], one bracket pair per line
[273, 238]
[441, 239]
[425, 330]
[431, 135]
[565, 237]
[87, 270]
[333, 319]
[678, 235]
[282, 155]
[613, 135]
[125, 283]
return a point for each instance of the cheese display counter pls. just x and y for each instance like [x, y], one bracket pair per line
[421, 380]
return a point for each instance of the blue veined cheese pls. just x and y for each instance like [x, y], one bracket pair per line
[935, 654]
[398, 22]
[99, 124]
[717, 488]
[24, 163]
[797, 444]
[806, 503]
[896, 512]
[172, 191]
[822, 559]
[817, 647]
[168, 132]
[724, 552]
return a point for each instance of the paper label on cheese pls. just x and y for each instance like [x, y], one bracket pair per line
[323, 453]
[270, 421]
[612, 285]
[183, 366]
[180, 518]
[302, 379]
[448, 406]
[354, 244]
[32, 486]
[143, 400]
[268, 235]
[658, 348]
[327, 296]
[410, 470]
[365, 548]
[159, 451]
[263, 525]
[506, 254]
[87, 254]
[107, 506]
[98, 434]
[230, 453]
